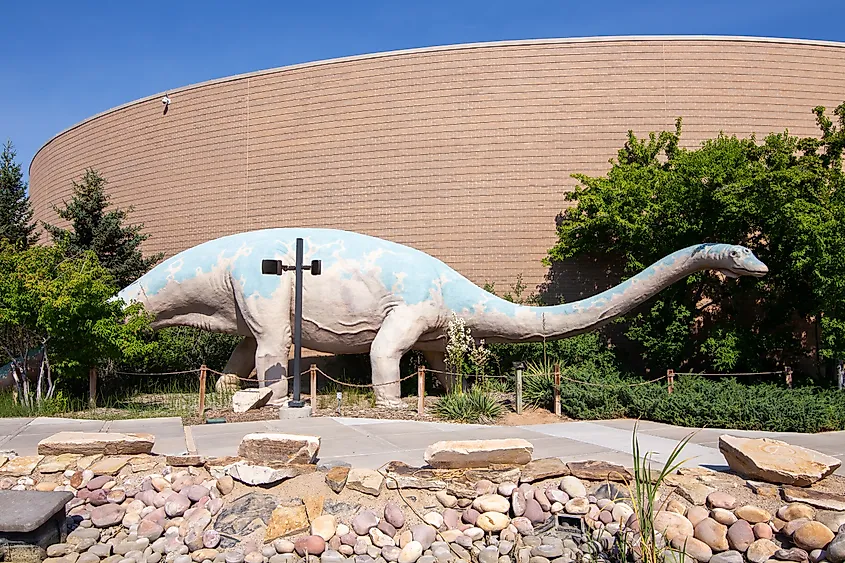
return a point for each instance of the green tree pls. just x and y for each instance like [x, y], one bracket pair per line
[63, 306]
[16, 224]
[103, 231]
[784, 198]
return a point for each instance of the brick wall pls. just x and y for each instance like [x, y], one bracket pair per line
[464, 152]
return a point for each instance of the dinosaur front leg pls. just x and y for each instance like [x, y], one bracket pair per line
[271, 362]
[398, 333]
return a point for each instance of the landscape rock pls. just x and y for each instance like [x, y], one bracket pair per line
[795, 554]
[753, 514]
[836, 549]
[493, 521]
[721, 499]
[287, 519]
[92, 443]
[268, 473]
[727, 557]
[693, 547]
[740, 535]
[818, 499]
[336, 478]
[107, 515]
[403, 476]
[672, 525]
[109, 465]
[245, 515]
[690, 488]
[394, 515]
[774, 461]
[573, 487]
[539, 469]
[21, 465]
[311, 545]
[366, 481]
[287, 448]
[249, 399]
[478, 453]
[762, 530]
[364, 521]
[599, 471]
[713, 534]
[491, 503]
[796, 510]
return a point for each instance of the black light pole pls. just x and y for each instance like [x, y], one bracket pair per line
[277, 268]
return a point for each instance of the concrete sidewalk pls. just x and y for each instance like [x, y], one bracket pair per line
[371, 443]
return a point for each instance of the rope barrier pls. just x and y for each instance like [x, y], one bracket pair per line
[163, 373]
[367, 385]
[239, 378]
[731, 374]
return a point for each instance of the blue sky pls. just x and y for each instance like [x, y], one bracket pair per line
[64, 61]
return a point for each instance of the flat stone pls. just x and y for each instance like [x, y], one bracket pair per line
[336, 478]
[832, 519]
[287, 448]
[400, 475]
[478, 453]
[494, 474]
[266, 473]
[774, 461]
[109, 465]
[91, 443]
[766, 490]
[690, 488]
[818, 499]
[761, 551]
[59, 463]
[599, 471]
[546, 468]
[368, 481]
[184, 460]
[25, 511]
[21, 466]
[287, 519]
[249, 399]
[245, 515]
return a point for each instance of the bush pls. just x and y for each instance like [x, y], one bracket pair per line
[185, 348]
[474, 406]
[696, 402]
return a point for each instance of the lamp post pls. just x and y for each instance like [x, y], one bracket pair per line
[277, 268]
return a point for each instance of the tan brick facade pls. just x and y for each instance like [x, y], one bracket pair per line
[464, 152]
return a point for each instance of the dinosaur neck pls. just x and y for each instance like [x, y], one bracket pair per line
[500, 321]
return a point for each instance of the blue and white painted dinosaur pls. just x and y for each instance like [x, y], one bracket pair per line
[375, 296]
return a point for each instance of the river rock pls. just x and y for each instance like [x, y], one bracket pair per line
[753, 514]
[720, 499]
[394, 515]
[795, 554]
[478, 453]
[312, 545]
[723, 516]
[727, 557]
[424, 535]
[91, 443]
[573, 487]
[672, 524]
[364, 521]
[713, 534]
[774, 461]
[491, 503]
[740, 536]
[812, 535]
[493, 521]
[107, 515]
[411, 552]
[324, 526]
[287, 448]
[796, 510]
[693, 547]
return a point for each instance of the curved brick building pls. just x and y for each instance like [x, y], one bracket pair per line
[462, 151]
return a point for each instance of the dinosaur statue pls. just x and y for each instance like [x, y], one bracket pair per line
[375, 296]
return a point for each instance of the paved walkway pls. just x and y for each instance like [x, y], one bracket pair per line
[371, 443]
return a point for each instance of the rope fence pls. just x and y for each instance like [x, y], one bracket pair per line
[420, 373]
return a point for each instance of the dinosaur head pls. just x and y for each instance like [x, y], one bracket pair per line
[734, 261]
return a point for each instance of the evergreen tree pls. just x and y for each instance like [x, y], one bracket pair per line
[16, 224]
[94, 228]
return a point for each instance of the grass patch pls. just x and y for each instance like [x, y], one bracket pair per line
[476, 406]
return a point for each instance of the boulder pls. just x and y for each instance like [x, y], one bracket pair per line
[250, 399]
[91, 443]
[774, 461]
[478, 453]
[287, 448]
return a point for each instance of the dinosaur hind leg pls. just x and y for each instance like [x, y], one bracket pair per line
[437, 361]
[242, 360]
[398, 333]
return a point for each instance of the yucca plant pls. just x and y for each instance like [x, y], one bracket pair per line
[474, 406]
[644, 493]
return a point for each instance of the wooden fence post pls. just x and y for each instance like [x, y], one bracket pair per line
[788, 372]
[420, 390]
[519, 367]
[313, 370]
[557, 389]
[92, 388]
[203, 375]
[670, 380]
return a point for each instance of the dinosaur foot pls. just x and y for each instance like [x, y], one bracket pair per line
[391, 403]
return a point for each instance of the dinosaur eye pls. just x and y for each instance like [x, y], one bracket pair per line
[734, 253]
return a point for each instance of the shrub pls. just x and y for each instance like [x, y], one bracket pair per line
[474, 406]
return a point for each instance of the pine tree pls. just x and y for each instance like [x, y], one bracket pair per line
[16, 224]
[95, 228]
